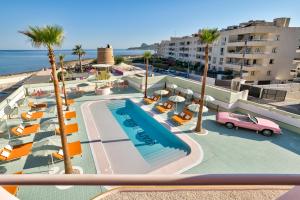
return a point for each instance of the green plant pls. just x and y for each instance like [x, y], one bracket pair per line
[79, 52]
[119, 59]
[206, 36]
[49, 37]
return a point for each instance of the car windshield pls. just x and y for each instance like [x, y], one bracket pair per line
[253, 119]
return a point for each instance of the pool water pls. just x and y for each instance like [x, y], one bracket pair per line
[157, 145]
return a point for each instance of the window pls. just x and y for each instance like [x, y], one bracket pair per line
[254, 62]
[271, 62]
[222, 51]
[268, 73]
[252, 73]
[277, 37]
[221, 61]
[274, 50]
[214, 60]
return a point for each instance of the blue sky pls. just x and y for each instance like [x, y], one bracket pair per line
[125, 23]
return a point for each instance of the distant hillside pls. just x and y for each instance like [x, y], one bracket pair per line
[144, 46]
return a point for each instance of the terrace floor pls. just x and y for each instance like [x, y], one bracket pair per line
[225, 150]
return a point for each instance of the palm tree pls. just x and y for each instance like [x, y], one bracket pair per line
[50, 36]
[80, 52]
[206, 36]
[61, 61]
[147, 56]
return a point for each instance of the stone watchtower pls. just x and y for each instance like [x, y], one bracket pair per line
[105, 55]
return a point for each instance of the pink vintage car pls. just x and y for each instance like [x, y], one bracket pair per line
[231, 120]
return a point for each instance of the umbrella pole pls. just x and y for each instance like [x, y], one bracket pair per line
[52, 160]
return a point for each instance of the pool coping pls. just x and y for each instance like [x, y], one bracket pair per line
[101, 160]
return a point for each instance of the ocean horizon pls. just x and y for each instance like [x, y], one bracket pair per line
[21, 61]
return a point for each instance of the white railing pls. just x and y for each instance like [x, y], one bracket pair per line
[134, 180]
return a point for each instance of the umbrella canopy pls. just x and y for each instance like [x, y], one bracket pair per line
[188, 91]
[172, 86]
[176, 98]
[161, 92]
[195, 107]
[208, 98]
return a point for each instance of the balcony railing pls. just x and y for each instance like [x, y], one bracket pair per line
[97, 179]
[250, 40]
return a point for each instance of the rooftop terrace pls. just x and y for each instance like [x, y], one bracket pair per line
[223, 151]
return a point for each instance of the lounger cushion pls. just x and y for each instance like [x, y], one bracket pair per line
[8, 148]
[5, 153]
[61, 152]
[187, 117]
[21, 127]
[19, 130]
[28, 116]
[29, 113]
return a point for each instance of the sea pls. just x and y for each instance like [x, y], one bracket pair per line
[19, 61]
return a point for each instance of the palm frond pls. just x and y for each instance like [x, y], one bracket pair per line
[147, 54]
[47, 36]
[208, 36]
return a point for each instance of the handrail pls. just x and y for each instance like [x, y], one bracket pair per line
[97, 179]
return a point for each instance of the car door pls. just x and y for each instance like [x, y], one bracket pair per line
[245, 122]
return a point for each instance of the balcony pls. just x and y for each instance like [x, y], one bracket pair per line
[246, 67]
[248, 55]
[254, 42]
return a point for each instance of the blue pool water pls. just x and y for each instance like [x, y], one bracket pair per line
[155, 143]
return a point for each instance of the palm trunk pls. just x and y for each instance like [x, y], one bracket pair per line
[64, 85]
[80, 63]
[201, 101]
[146, 80]
[63, 137]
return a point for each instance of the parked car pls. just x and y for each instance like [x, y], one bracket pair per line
[231, 120]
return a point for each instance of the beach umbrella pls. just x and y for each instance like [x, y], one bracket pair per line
[188, 92]
[161, 92]
[172, 86]
[176, 99]
[195, 108]
[208, 98]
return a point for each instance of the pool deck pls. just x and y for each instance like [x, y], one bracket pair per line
[223, 150]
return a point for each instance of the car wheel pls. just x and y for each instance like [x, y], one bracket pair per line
[267, 132]
[229, 125]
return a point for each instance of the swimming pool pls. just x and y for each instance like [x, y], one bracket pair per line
[157, 145]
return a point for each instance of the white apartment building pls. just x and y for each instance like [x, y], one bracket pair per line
[266, 51]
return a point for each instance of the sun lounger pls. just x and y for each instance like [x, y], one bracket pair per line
[183, 117]
[69, 129]
[12, 189]
[166, 106]
[25, 131]
[37, 105]
[74, 150]
[70, 114]
[32, 115]
[151, 99]
[16, 152]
